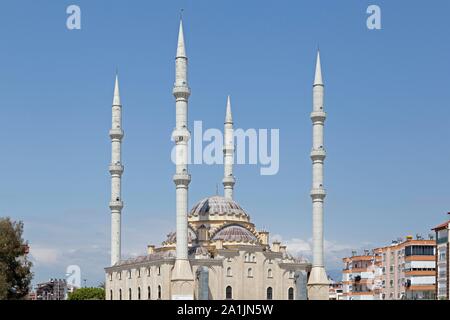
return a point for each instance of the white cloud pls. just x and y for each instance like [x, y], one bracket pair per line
[43, 256]
[334, 251]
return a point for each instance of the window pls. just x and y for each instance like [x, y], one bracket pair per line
[139, 293]
[138, 273]
[228, 293]
[110, 294]
[253, 258]
[291, 294]
[119, 275]
[110, 277]
[246, 258]
[120, 294]
[419, 251]
[159, 271]
[250, 273]
[269, 273]
[159, 293]
[229, 274]
[269, 293]
[129, 274]
[129, 294]
[148, 272]
[149, 296]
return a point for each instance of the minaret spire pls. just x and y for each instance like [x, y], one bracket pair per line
[182, 276]
[181, 48]
[318, 280]
[318, 74]
[228, 153]
[116, 170]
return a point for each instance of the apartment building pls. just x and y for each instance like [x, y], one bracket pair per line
[359, 277]
[442, 261]
[408, 269]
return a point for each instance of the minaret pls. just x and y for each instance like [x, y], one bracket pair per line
[116, 170]
[182, 276]
[318, 280]
[228, 153]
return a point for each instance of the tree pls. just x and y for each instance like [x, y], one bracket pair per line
[15, 269]
[87, 294]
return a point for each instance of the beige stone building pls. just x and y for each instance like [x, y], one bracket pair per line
[239, 261]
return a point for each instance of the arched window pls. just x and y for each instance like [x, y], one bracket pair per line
[253, 258]
[129, 294]
[291, 294]
[139, 293]
[149, 295]
[229, 293]
[250, 273]
[229, 274]
[159, 293]
[246, 257]
[120, 294]
[269, 293]
[110, 294]
[159, 271]
[148, 271]
[269, 273]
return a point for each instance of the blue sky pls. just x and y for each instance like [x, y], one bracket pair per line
[387, 133]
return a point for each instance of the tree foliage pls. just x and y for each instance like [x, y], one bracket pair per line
[88, 294]
[15, 269]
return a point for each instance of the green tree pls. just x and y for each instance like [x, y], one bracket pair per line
[15, 269]
[88, 294]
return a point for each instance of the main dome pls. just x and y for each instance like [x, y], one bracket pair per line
[218, 206]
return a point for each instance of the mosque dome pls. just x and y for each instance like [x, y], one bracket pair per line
[219, 207]
[235, 233]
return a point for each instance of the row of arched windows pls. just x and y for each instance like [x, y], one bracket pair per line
[139, 296]
[138, 273]
[269, 293]
[249, 273]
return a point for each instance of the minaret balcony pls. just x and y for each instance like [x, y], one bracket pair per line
[318, 154]
[116, 169]
[229, 181]
[116, 134]
[116, 205]
[181, 92]
[318, 193]
[318, 116]
[182, 179]
[181, 135]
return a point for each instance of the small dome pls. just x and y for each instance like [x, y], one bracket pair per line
[235, 233]
[217, 205]
[172, 237]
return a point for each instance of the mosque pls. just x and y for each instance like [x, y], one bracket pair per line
[216, 252]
